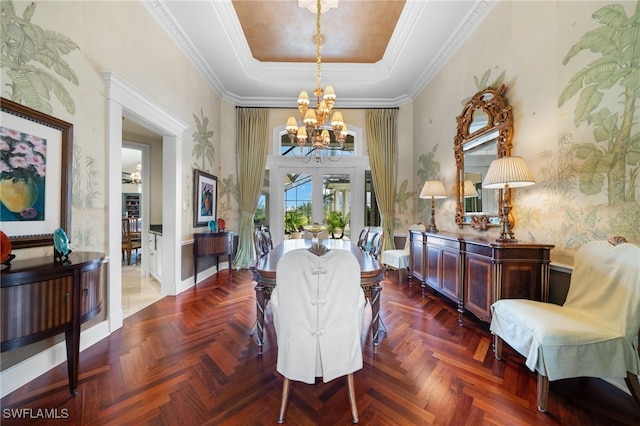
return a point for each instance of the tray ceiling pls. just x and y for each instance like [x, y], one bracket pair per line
[375, 53]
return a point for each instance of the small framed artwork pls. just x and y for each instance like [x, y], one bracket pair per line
[205, 198]
[35, 175]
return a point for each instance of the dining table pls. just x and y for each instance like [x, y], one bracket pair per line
[264, 273]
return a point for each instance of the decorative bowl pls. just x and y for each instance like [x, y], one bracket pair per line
[315, 228]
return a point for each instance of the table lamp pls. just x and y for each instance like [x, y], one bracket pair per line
[433, 189]
[470, 189]
[505, 173]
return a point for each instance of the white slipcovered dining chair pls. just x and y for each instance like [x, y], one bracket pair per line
[318, 308]
[593, 334]
[399, 258]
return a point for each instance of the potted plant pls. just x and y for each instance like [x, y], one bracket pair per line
[294, 220]
[336, 222]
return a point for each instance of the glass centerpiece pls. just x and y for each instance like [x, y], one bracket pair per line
[316, 247]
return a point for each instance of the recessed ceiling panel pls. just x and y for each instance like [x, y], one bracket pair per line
[355, 32]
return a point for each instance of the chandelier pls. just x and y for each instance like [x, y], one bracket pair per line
[315, 122]
[136, 177]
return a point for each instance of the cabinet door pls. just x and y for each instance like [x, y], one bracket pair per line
[416, 256]
[477, 286]
[159, 256]
[433, 267]
[91, 293]
[35, 308]
[153, 255]
[450, 278]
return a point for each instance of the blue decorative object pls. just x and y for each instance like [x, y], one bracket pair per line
[60, 245]
[213, 225]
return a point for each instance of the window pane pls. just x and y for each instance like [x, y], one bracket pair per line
[297, 201]
[336, 192]
[372, 212]
[287, 148]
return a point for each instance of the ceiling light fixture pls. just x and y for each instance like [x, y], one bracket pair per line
[136, 177]
[315, 122]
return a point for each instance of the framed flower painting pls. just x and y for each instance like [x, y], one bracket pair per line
[35, 175]
[205, 198]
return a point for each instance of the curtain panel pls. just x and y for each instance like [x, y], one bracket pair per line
[251, 153]
[383, 158]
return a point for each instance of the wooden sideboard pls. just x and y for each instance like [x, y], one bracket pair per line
[40, 299]
[475, 272]
[212, 244]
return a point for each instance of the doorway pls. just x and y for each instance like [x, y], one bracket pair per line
[123, 100]
[139, 287]
[318, 195]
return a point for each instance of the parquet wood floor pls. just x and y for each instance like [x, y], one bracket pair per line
[191, 360]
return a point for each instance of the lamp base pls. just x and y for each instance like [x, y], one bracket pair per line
[432, 224]
[506, 234]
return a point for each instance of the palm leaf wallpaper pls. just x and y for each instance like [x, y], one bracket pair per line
[32, 58]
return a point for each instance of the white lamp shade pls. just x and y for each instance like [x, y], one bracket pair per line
[433, 189]
[310, 117]
[337, 119]
[303, 98]
[512, 171]
[329, 93]
[469, 189]
[292, 124]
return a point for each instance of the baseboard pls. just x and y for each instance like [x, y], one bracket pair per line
[22, 373]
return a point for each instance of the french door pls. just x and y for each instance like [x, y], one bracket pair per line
[319, 192]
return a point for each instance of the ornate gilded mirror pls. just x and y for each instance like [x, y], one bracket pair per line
[485, 129]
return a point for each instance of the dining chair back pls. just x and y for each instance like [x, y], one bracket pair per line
[399, 258]
[262, 241]
[318, 308]
[131, 237]
[363, 238]
[376, 244]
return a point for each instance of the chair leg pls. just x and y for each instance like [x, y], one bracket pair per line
[543, 392]
[497, 346]
[286, 387]
[634, 386]
[352, 398]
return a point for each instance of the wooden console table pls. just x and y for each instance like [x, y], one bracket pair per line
[40, 299]
[212, 244]
[474, 272]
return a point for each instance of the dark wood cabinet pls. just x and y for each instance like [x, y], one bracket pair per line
[475, 272]
[40, 299]
[212, 244]
[442, 266]
[416, 256]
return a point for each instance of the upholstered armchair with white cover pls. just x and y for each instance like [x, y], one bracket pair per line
[399, 259]
[318, 308]
[593, 334]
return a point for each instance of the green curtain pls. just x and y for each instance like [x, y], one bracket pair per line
[251, 153]
[383, 154]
